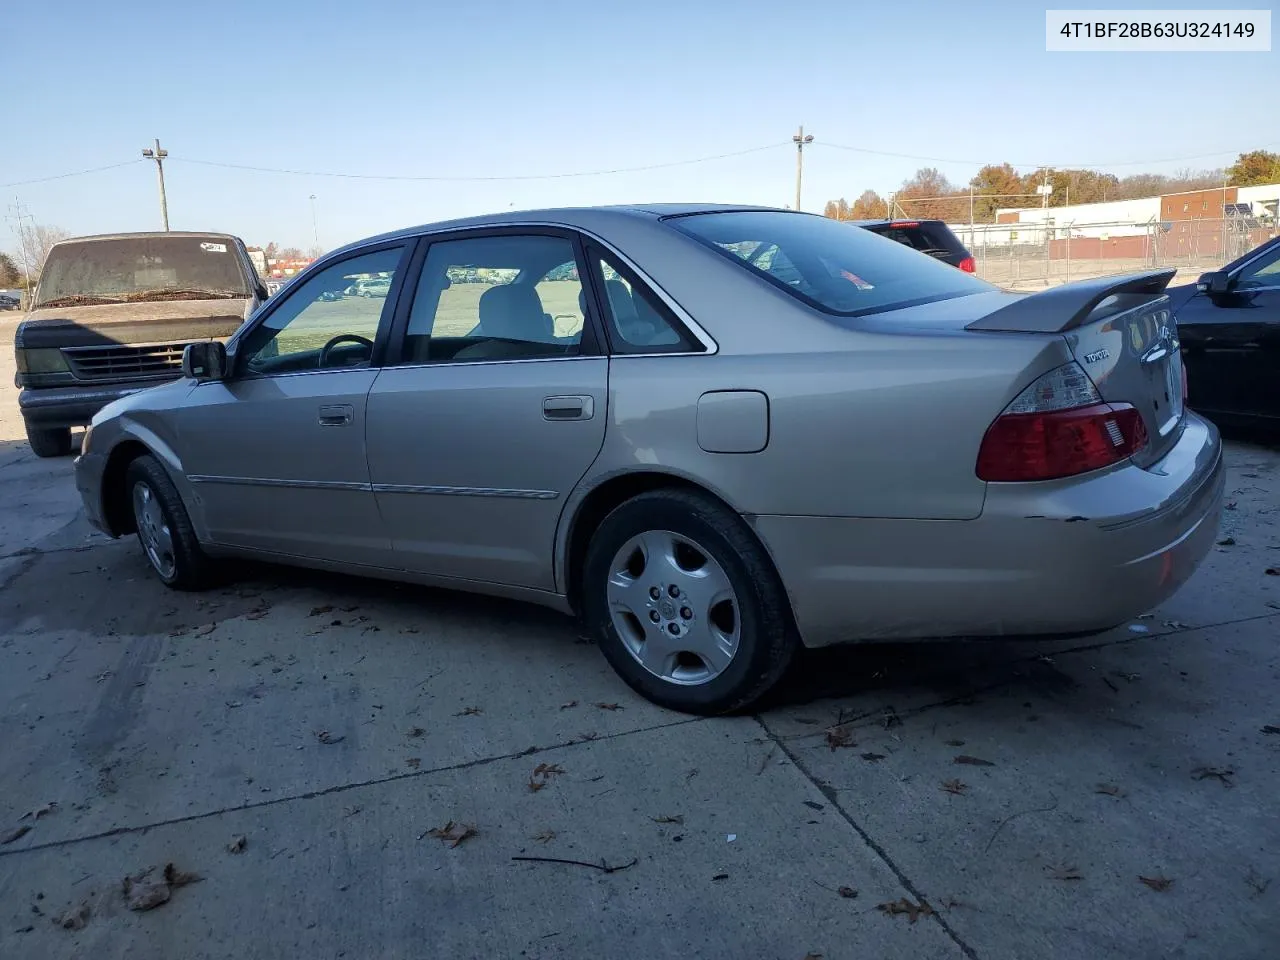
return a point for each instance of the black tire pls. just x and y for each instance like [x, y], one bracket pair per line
[49, 442]
[191, 568]
[767, 638]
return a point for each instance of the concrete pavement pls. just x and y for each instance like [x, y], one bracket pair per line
[1020, 790]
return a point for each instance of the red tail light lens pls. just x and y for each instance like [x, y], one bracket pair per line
[1059, 427]
[968, 266]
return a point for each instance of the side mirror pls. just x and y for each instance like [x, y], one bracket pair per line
[1214, 282]
[205, 361]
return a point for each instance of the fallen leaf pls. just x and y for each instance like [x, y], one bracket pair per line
[204, 631]
[324, 736]
[1158, 884]
[873, 757]
[1066, 873]
[678, 818]
[16, 833]
[1222, 774]
[955, 743]
[1110, 789]
[42, 811]
[954, 786]
[179, 878]
[1272, 571]
[536, 785]
[413, 763]
[1271, 728]
[813, 805]
[890, 719]
[913, 911]
[813, 956]
[318, 611]
[721, 876]
[75, 918]
[569, 705]
[469, 712]
[1175, 624]
[974, 761]
[609, 706]
[237, 844]
[1229, 505]
[839, 737]
[546, 836]
[847, 892]
[547, 769]
[453, 833]
[415, 732]
[1227, 542]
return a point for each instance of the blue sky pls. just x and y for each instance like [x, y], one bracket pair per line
[510, 87]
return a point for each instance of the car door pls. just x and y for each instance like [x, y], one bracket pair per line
[276, 452]
[1231, 341]
[495, 409]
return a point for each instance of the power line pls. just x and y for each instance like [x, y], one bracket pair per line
[489, 179]
[1037, 165]
[74, 173]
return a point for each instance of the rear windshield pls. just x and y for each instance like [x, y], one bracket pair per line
[138, 269]
[834, 266]
[923, 237]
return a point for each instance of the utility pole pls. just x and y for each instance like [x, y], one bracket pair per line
[158, 156]
[800, 140]
[314, 227]
[16, 216]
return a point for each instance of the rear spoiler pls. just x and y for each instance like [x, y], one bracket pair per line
[1060, 309]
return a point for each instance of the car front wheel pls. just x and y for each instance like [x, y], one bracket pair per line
[164, 529]
[685, 603]
[55, 442]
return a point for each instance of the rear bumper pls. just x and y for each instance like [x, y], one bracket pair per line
[1062, 557]
[50, 407]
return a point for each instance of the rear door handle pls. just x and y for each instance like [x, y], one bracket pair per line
[336, 414]
[568, 408]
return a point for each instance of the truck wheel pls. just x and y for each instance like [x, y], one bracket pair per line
[55, 442]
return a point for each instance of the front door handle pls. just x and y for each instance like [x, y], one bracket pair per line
[568, 408]
[336, 414]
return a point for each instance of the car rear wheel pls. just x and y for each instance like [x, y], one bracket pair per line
[54, 442]
[685, 603]
[164, 529]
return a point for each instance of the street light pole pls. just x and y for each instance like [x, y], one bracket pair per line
[158, 156]
[314, 227]
[800, 140]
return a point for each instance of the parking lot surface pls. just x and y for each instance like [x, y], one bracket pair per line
[354, 769]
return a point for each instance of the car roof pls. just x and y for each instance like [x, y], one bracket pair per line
[202, 235]
[574, 217]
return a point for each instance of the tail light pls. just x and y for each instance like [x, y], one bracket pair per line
[1059, 427]
[968, 266]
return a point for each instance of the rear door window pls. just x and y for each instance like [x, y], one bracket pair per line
[837, 267]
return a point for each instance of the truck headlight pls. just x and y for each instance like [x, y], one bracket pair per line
[41, 360]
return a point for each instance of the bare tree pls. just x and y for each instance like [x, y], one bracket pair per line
[315, 253]
[34, 243]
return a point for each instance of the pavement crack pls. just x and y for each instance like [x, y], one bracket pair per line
[339, 788]
[832, 797]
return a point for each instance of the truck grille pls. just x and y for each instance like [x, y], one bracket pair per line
[120, 362]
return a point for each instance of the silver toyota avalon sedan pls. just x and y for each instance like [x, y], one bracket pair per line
[714, 433]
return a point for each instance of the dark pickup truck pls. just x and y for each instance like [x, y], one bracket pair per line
[112, 315]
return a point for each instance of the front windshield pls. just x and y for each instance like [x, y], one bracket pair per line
[138, 269]
[836, 267]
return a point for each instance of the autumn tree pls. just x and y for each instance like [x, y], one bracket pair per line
[1253, 168]
[869, 206]
[9, 275]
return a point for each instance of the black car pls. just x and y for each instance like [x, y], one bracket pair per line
[1229, 328]
[928, 236]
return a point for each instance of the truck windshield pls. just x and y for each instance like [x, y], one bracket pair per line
[137, 269]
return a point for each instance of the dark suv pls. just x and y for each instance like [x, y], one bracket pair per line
[928, 236]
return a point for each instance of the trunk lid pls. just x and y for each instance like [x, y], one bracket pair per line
[1121, 332]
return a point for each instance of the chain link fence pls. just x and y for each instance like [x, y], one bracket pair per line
[1039, 254]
